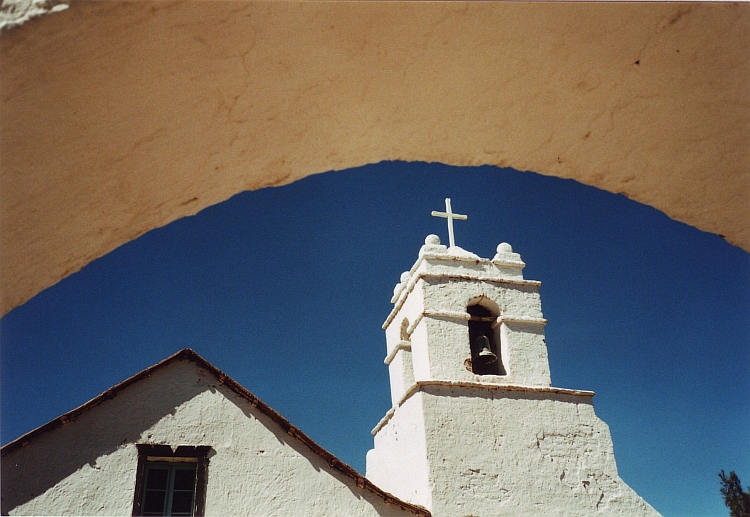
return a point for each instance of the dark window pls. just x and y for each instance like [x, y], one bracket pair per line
[170, 482]
[170, 488]
[485, 352]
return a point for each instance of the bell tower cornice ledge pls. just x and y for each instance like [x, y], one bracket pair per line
[422, 385]
[438, 261]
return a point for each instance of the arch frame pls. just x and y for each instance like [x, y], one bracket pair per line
[152, 111]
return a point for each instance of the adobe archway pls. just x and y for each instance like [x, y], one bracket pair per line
[119, 117]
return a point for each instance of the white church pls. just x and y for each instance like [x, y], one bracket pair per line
[475, 428]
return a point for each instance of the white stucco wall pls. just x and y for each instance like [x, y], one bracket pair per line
[515, 453]
[411, 311]
[492, 450]
[434, 297]
[399, 459]
[491, 445]
[88, 466]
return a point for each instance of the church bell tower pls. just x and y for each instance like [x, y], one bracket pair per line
[476, 427]
[460, 318]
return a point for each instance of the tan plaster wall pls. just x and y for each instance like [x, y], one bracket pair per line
[119, 117]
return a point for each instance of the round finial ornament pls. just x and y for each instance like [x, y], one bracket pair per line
[432, 239]
[504, 247]
[405, 276]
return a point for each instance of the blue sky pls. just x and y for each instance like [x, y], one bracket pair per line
[285, 289]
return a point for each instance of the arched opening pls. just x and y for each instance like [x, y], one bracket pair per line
[486, 356]
[405, 330]
[76, 185]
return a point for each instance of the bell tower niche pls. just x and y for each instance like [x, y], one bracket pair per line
[486, 358]
[459, 317]
[476, 427]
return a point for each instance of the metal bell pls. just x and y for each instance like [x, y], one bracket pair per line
[486, 355]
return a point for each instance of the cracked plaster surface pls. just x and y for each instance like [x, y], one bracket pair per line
[120, 117]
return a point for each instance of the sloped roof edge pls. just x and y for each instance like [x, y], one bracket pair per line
[191, 355]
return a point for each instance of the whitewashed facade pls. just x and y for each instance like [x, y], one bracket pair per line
[86, 462]
[503, 442]
[476, 429]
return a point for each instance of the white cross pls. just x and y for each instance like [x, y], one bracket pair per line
[448, 214]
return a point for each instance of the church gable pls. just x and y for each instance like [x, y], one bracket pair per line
[476, 426]
[181, 434]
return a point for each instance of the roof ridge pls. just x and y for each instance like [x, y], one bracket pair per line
[224, 379]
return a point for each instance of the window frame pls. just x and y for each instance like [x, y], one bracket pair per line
[155, 454]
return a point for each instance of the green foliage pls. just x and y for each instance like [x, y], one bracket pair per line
[736, 499]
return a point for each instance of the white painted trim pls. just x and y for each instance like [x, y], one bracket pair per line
[413, 279]
[413, 325]
[416, 277]
[451, 315]
[509, 263]
[402, 345]
[448, 257]
[494, 280]
[417, 386]
[518, 319]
